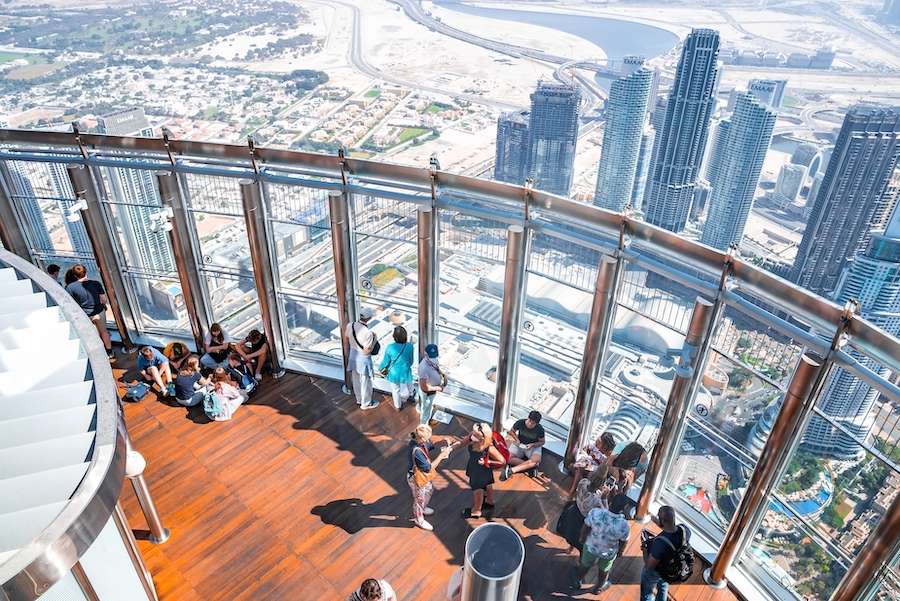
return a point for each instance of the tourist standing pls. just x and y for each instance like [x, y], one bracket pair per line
[396, 365]
[420, 470]
[432, 380]
[605, 536]
[659, 551]
[53, 271]
[91, 297]
[362, 344]
[591, 492]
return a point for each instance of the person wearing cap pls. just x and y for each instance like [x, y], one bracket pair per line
[359, 364]
[431, 381]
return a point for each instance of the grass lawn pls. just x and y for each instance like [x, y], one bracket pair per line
[33, 59]
[790, 102]
[411, 132]
[373, 93]
[33, 71]
[385, 277]
[434, 107]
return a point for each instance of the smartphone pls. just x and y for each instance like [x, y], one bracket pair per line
[610, 481]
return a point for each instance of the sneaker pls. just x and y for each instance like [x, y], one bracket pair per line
[170, 389]
[505, 474]
[370, 406]
[428, 511]
[603, 587]
[532, 472]
[258, 377]
[424, 525]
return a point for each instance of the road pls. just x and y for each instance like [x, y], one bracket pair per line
[358, 60]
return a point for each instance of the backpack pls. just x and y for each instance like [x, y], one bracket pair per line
[679, 566]
[137, 391]
[212, 405]
[500, 443]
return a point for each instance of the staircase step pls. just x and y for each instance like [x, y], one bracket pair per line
[24, 302]
[41, 488]
[47, 426]
[21, 527]
[45, 455]
[39, 357]
[8, 274]
[31, 317]
[69, 373]
[37, 336]
[16, 288]
[45, 400]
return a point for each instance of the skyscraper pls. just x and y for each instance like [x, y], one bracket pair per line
[643, 165]
[553, 130]
[30, 209]
[788, 185]
[626, 111]
[681, 141]
[854, 197]
[146, 248]
[872, 278]
[768, 91]
[61, 187]
[511, 157]
[745, 150]
[717, 151]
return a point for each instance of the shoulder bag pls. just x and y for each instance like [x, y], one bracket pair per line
[420, 478]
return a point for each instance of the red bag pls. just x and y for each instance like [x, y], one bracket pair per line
[500, 443]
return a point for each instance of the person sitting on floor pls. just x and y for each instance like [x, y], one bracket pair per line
[154, 367]
[216, 347]
[190, 383]
[177, 353]
[240, 373]
[254, 350]
[525, 454]
[224, 398]
[373, 590]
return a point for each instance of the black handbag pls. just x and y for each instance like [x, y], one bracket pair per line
[376, 348]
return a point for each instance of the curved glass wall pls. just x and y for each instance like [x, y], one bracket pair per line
[839, 481]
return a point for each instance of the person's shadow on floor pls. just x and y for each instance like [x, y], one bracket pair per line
[352, 515]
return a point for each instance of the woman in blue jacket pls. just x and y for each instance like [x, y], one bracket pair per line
[396, 365]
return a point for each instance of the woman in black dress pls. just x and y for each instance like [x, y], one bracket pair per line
[484, 458]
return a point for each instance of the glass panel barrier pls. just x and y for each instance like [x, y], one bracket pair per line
[217, 213]
[301, 235]
[472, 251]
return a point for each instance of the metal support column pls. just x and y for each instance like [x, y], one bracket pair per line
[599, 332]
[134, 471]
[261, 257]
[104, 251]
[11, 235]
[185, 260]
[338, 210]
[674, 420]
[133, 552]
[788, 427]
[428, 277]
[883, 544]
[517, 246]
[84, 583]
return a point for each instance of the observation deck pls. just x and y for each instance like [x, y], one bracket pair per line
[598, 320]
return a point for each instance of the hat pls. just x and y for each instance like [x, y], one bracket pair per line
[431, 351]
[366, 313]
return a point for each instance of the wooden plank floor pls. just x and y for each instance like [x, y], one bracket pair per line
[301, 496]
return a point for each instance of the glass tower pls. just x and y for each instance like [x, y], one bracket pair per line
[554, 132]
[873, 279]
[149, 248]
[511, 158]
[681, 141]
[741, 162]
[622, 138]
[62, 192]
[25, 198]
[854, 198]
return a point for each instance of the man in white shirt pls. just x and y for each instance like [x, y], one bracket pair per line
[359, 363]
[431, 381]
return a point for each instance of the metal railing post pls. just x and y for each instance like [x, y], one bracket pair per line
[11, 235]
[517, 246]
[674, 420]
[134, 553]
[600, 328]
[103, 247]
[338, 210]
[134, 471]
[261, 257]
[795, 411]
[183, 252]
[428, 277]
[883, 544]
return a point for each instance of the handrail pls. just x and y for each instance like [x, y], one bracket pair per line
[807, 306]
[37, 566]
